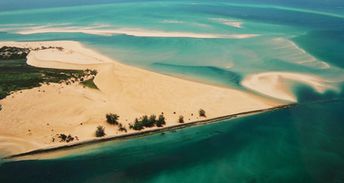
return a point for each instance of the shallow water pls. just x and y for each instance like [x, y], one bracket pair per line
[280, 43]
[301, 144]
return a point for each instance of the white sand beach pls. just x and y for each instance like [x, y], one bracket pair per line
[31, 118]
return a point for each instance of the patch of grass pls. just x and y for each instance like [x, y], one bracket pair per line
[17, 75]
[89, 83]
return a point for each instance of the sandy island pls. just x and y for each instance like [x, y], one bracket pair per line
[31, 118]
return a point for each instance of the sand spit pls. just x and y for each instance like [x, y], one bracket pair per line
[36, 117]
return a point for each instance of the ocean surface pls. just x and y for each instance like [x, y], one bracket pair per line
[216, 42]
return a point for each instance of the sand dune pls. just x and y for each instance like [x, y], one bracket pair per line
[37, 117]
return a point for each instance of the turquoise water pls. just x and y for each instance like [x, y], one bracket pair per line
[301, 144]
[217, 42]
[280, 39]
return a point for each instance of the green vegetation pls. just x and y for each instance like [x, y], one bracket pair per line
[161, 121]
[92, 72]
[121, 128]
[10, 53]
[89, 83]
[138, 125]
[151, 121]
[202, 113]
[181, 119]
[112, 118]
[148, 122]
[100, 132]
[17, 75]
[65, 138]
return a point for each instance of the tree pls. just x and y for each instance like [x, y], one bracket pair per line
[181, 119]
[138, 125]
[94, 72]
[152, 121]
[100, 132]
[145, 120]
[202, 113]
[148, 122]
[161, 121]
[112, 118]
[131, 126]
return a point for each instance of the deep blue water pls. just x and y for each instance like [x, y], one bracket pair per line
[300, 144]
[325, 45]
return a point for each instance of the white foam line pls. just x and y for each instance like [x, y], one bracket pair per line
[306, 58]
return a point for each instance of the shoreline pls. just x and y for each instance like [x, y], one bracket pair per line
[159, 130]
[125, 90]
[146, 132]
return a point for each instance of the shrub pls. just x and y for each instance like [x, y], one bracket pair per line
[148, 122]
[202, 113]
[69, 138]
[65, 138]
[94, 72]
[181, 119]
[138, 125]
[131, 126]
[121, 128]
[161, 121]
[151, 121]
[112, 118]
[62, 137]
[100, 132]
[145, 120]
